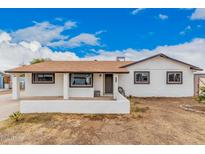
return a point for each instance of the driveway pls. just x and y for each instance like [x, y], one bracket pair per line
[7, 106]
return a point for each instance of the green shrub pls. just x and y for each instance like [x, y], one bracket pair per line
[141, 109]
[201, 97]
[16, 116]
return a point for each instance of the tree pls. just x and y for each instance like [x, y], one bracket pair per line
[39, 60]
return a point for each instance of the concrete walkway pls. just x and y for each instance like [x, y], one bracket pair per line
[7, 106]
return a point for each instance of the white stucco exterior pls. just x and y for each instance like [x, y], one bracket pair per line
[98, 82]
[55, 89]
[158, 87]
[65, 86]
[81, 92]
[16, 87]
[61, 87]
[115, 85]
[119, 106]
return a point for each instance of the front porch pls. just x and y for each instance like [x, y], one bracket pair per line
[78, 105]
[108, 98]
[67, 86]
[62, 95]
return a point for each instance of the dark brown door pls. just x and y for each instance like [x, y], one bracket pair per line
[108, 83]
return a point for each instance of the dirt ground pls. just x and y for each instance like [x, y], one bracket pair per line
[152, 121]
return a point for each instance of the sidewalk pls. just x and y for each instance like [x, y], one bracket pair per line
[7, 106]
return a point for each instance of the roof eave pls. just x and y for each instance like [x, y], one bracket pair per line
[163, 55]
[196, 68]
[120, 72]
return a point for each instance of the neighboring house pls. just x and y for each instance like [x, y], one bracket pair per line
[1, 80]
[7, 81]
[156, 76]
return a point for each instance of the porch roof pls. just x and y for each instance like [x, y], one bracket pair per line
[74, 67]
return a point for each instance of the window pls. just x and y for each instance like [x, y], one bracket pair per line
[141, 77]
[43, 78]
[174, 77]
[81, 80]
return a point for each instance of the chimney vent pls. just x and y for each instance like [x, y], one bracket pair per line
[120, 58]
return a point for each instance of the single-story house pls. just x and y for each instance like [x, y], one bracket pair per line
[155, 76]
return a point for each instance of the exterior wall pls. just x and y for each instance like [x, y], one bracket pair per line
[119, 106]
[115, 85]
[157, 67]
[158, 88]
[15, 87]
[65, 85]
[55, 89]
[81, 92]
[98, 82]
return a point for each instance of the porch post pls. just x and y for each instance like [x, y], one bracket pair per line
[15, 87]
[115, 85]
[65, 85]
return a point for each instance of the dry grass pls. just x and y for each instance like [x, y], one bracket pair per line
[152, 121]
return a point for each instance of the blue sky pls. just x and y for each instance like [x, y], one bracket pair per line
[121, 28]
[82, 33]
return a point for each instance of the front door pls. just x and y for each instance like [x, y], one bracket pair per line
[108, 83]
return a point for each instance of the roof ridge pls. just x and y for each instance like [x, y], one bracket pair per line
[165, 56]
[87, 61]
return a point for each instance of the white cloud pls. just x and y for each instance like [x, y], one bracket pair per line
[33, 45]
[100, 32]
[43, 32]
[48, 34]
[186, 29]
[4, 37]
[163, 16]
[191, 52]
[136, 11]
[84, 38]
[16, 54]
[70, 25]
[198, 14]
[79, 40]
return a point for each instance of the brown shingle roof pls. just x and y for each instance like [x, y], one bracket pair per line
[74, 66]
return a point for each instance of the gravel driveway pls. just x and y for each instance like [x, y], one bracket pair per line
[7, 106]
